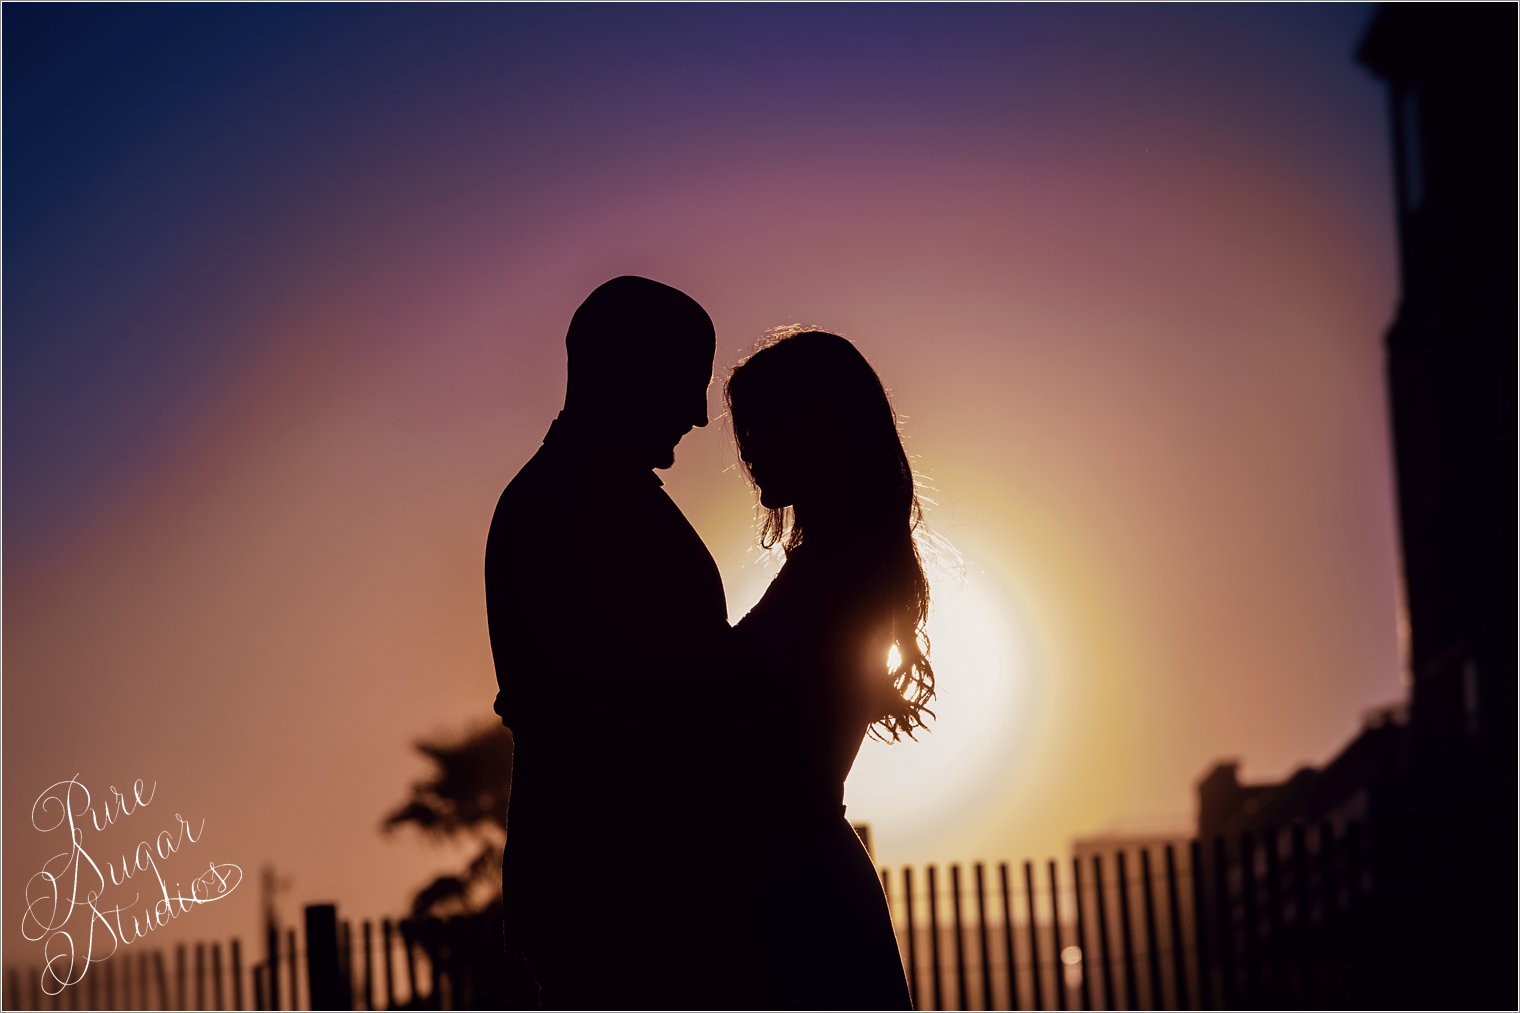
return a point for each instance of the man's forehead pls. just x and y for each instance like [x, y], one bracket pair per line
[688, 353]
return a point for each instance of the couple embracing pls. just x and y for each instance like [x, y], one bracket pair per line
[676, 835]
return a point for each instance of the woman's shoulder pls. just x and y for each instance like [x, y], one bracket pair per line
[820, 579]
[847, 560]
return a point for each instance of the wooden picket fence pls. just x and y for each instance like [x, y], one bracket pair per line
[1297, 918]
[1278, 920]
[392, 967]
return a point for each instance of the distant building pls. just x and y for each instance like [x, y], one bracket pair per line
[1363, 783]
[1451, 361]
[1451, 751]
[1439, 773]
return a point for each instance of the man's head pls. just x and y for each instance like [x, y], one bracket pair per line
[640, 361]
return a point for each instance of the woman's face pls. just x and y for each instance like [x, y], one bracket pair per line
[779, 455]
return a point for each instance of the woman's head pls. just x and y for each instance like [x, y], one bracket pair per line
[817, 434]
[819, 440]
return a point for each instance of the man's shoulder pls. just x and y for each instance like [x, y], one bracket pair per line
[545, 483]
[528, 485]
[549, 499]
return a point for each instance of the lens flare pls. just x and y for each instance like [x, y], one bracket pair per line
[986, 696]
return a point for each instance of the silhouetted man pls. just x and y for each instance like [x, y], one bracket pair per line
[607, 623]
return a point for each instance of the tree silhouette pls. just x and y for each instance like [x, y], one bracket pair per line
[464, 797]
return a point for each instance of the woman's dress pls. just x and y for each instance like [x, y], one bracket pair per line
[818, 642]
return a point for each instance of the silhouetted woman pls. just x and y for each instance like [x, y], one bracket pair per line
[839, 637]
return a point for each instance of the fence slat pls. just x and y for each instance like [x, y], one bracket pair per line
[369, 965]
[237, 975]
[272, 966]
[181, 993]
[431, 994]
[984, 946]
[1382, 867]
[323, 973]
[1058, 961]
[293, 968]
[124, 996]
[1084, 989]
[1277, 990]
[1110, 1000]
[1008, 948]
[1357, 929]
[1226, 926]
[1126, 936]
[1329, 912]
[1034, 937]
[200, 975]
[160, 979]
[346, 963]
[960, 937]
[91, 990]
[1152, 937]
[913, 993]
[407, 933]
[934, 969]
[1179, 953]
[387, 935]
[1201, 927]
[1302, 954]
[1252, 915]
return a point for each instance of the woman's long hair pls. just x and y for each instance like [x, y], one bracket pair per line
[819, 388]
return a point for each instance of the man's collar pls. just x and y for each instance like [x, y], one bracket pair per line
[571, 436]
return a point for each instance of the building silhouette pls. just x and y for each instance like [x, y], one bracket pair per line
[1436, 775]
[1365, 783]
[1451, 366]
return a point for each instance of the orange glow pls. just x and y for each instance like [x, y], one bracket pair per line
[980, 654]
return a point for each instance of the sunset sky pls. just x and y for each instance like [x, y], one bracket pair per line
[285, 293]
